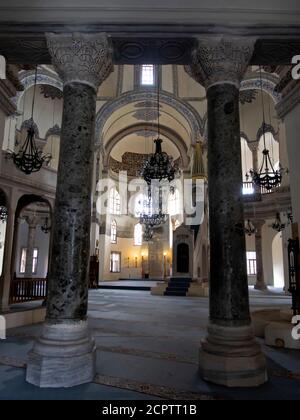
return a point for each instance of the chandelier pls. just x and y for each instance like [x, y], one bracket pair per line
[267, 177]
[249, 228]
[46, 227]
[159, 166]
[153, 220]
[148, 233]
[3, 214]
[29, 158]
[278, 225]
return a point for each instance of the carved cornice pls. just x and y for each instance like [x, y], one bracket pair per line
[81, 58]
[218, 60]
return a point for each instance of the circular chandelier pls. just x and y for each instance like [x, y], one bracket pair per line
[3, 214]
[267, 177]
[29, 158]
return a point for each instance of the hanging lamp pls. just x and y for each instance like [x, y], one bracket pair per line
[29, 158]
[267, 177]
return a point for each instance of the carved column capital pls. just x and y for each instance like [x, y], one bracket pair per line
[218, 60]
[81, 58]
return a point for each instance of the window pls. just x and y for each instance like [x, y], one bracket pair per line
[142, 205]
[147, 75]
[115, 262]
[113, 233]
[24, 259]
[114, 202]
[251, 264]
[174, 203]
[138, 235]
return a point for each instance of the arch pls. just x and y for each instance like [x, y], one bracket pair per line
[192, 117]
[269, 84]
[264, 129]
[54, 131]
[165, 131]
[43, 78]
[28, 124]
[183, 258]
[28, 199]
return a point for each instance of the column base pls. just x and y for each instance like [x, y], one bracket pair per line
[64, 356]
[231, 357]
[261, 286]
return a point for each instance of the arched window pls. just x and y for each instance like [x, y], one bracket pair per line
[114, 202]
[138, 235]
[113, 232]
[147, 75]
[175, 207]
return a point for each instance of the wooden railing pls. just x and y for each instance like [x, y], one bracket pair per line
[27, 290]
[250, 189]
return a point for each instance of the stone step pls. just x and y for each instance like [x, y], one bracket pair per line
[175, 293]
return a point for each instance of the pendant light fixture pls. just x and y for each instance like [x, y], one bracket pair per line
[159, 166]
[278, 225]
[46, 228]
[29, 158]
[267, 177]
[249, 228]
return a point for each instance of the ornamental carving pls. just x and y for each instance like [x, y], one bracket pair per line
[83, 58]
[221, 60]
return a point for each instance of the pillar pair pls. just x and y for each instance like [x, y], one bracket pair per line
[65, 353]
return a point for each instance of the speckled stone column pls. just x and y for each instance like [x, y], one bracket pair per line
[230, 355]
[64, 355]
[260, 279]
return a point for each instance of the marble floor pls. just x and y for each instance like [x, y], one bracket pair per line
[147, 348]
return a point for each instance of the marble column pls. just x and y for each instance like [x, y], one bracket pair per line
[32, 225]
[8, 260]
[229, 355]
[64, 355]
[260, 279]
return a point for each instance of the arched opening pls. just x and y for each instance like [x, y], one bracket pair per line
[183, 258]
[278, 269]
[31, 249]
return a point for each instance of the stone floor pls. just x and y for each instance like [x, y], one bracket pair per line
[148, 349]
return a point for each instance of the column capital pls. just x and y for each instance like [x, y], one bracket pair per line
[80, 57]
[219, 60]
